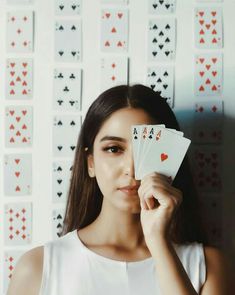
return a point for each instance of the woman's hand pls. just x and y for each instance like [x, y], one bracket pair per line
[159, 200]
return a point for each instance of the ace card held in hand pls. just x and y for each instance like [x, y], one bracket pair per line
[158, 149]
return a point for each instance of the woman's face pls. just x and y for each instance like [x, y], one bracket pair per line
[112, 159]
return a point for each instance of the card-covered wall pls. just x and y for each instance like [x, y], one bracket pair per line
[57, 56]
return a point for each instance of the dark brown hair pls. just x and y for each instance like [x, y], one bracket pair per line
[84, 196]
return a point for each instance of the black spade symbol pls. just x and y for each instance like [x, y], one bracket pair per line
[59, 194]
[61, 28]
[61, 53]
[61, 7]
[72, 123]
[155, 27]
[154, 40]
[152, 86]
[60, 123]
[165, 86]
[59, 147]
[59, 181]
[159, 80]
[59, 169]
[154, 53]
[165, 74]
[73, 28]
[161, 33]
[72, 147]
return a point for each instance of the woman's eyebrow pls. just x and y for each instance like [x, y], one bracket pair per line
[116, 138]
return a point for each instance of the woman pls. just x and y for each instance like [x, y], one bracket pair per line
[120, 235]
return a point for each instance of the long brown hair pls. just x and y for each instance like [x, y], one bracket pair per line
[84, 197]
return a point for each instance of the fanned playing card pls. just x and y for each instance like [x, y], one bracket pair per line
[161, 39]
[19, 78]
[114, 71]
[11, 258]
[161, 6]
[208, 121]
[17, 174]
[67, 89]
[154, 152]
[208, 74]
[68, 7]
[19, 129]
[61, 175]
[19, 33]
[17, 224]
[161, 79]
[208, 27]
[68, 38]
[57, 224]
[114, 30]
[65, 134]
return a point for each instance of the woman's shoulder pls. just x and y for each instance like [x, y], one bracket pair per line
[27, 276]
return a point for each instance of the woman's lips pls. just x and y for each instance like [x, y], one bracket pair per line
[129, 190]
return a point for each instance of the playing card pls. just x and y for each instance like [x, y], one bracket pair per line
[17, 174]
[19, 32]
[65, 134]
[114, 1]
[156, 155]
[11, 258]
[161, 79]
[161, 39]
[146, 134]
[61, 174]
[68, 7]
[208, 74]
[208, 122]
[68, 38]
[67, 89]
[207, 164]
[208, 27]
[17, 224]
[19, 78]
[114, 30]
[57, 224]
[114, 71]
[19, 129]
[161, 6]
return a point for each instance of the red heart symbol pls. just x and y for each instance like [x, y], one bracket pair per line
[12, 113]
[208, 67]
[214, 60]
[12, 73]
[18, 133]
[113, 30]
[164, 157]
[201, 13]
[12, 127]
[214, 21]
[17, 119]
[107, 43]
[24, 112]
[213, 13]
[17, 174]
[17, 188]
[120, 15]
[214, 73]
[201, 74]
[201, 60]
[201, 21]
[12, 83]
[12, 64]
[24, 127]
[107, 15]
[25, 64]
[17, 161]
[24, 73]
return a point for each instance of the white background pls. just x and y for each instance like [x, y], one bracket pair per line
[44, 65]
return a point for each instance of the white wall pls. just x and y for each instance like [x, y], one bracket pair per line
[43, 88]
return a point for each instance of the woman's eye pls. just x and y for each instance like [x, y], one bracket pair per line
[113, 149]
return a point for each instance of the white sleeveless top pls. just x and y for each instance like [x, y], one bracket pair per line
[70, 268]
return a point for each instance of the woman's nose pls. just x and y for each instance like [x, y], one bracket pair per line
[129, 168]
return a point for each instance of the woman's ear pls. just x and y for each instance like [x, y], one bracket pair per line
[90, 166]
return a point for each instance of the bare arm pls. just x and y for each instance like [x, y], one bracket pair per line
[218, 278]
[170, 272]
[26, 279]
